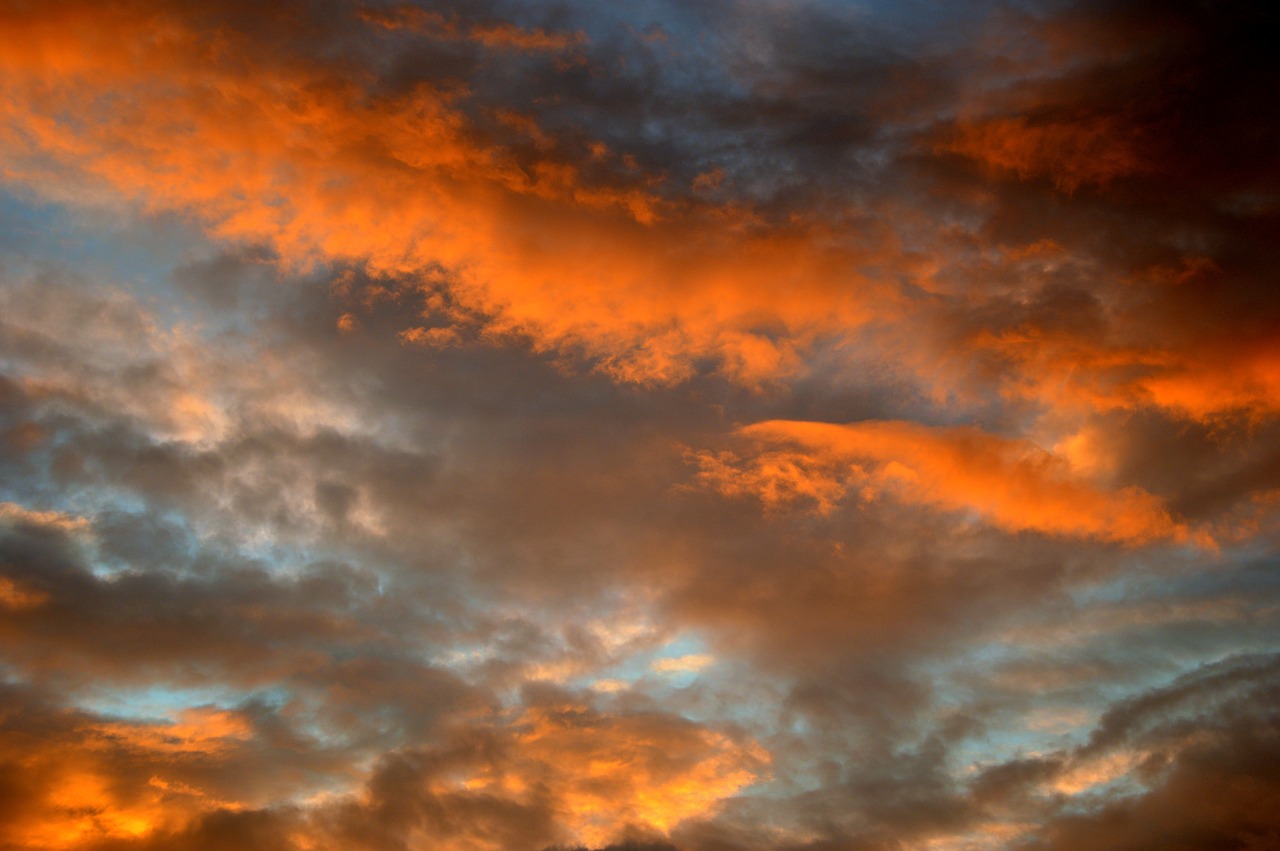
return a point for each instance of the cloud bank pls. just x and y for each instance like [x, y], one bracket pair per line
[484, 426]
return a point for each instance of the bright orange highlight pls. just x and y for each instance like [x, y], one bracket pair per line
[641, 770]
[275, 150]
[603, 774]
[1011, 483]
[1201, 382]
[97, 781]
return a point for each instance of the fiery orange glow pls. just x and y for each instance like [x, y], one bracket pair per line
[78, 795]
[614, 772]
[1011, 483]
[644, 284]
[1202, 384]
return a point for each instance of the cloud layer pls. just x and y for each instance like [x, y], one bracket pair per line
[710, 427]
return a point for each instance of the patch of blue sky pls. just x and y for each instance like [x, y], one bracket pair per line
[1017, 724]
[191, 535]
[690, 39]
[1171, 571]
[110, 240]
[27, 229]
[684, 645]
[262, 548]
[739, 696]
[167, 702]
[115, 248]
[262, 543]
[899, 23]
[41, 492]
[1003, 744]
[968, 677]
[719, 692]
[927, 23]
[976, 658]
[1051, 720]
[645, 665]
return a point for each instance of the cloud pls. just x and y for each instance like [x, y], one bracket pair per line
[76, 779]
[1010, 483]
[434, 176]
[369, 381]
[1070, 154]
[681, 664]
[494, 35]
[1206, 753]
[486, 789]
[411, 185]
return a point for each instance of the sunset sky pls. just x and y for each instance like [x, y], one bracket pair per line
[732, 425]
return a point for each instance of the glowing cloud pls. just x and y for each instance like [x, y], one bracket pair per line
[283, 151]
[1010, 483]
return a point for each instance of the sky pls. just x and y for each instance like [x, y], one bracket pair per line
[733, 425]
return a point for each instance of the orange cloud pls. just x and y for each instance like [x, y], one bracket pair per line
[280, 150]
[1203, 382]
[411, 18]
[1233, 378]
[690, 663]
[611, 772]
[199, 730]
[776, 477]
[558, 772]
[1070, 153]
[81, 805]
[1012, 484]
[583, 776]
[113, 780]
[15, 597]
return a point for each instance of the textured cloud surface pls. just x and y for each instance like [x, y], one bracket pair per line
[721, 426]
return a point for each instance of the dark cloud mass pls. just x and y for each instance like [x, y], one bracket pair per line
[719, 426]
